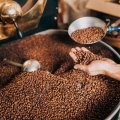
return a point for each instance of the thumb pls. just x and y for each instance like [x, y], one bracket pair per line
[116, 23]
[81, 67]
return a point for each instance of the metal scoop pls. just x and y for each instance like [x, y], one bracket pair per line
[10, 11]
[86, 22]
[28, 66]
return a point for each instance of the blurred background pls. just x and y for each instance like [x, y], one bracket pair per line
[39, 15]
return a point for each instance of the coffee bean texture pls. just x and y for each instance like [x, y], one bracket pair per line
[88, 35]
[57, 91]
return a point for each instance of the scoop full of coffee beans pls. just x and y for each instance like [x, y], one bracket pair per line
[88, 35]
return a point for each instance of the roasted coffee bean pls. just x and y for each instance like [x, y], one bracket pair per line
[88, 35]
[59, 91]
[86, 58]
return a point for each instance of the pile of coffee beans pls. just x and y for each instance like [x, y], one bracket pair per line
[57, 91]
[86, 58]
[88, 35]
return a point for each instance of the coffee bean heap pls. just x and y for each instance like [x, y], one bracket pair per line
[96, 50]
[88, 35]
[86, 58]
[41, 95]
[64, 67]
[7, 71]
[57, 91]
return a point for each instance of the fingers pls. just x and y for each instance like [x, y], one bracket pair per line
[75, 50]
[84, 49]
[78, 48]
[73, 56]
[90, 71]
[116, 23]
[73, 53]
[85, 69]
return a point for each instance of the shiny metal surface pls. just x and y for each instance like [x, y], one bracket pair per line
[31, 65]
[28, 66]
[10, 12]
[32, 12]
[86, 22]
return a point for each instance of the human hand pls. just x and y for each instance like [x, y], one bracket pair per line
[117, 23]
[95, 67]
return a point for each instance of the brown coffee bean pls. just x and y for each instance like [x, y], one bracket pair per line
[58, 91]
[86, 58]
[88, 35]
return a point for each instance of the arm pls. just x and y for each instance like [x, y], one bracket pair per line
[114, 72]
[115, 24]
[104, 66]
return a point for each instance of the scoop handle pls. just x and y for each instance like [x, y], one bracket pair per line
[17, 29]
[112, 29]
[12, 62]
